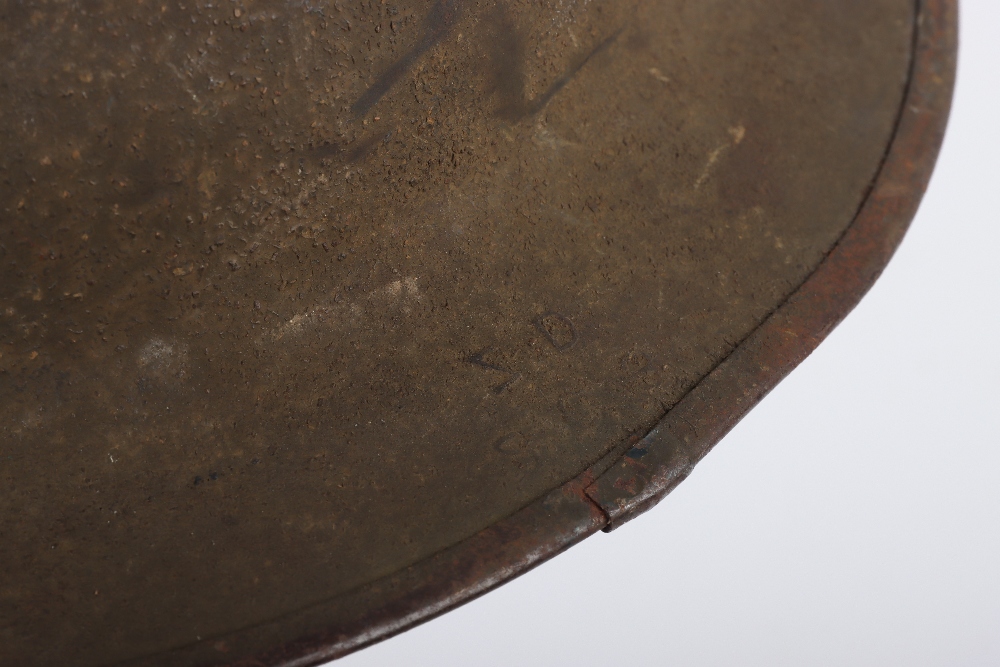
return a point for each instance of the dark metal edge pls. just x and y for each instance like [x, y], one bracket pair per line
[664, 458]
[661, 460]
[451, 578]
[399, 601]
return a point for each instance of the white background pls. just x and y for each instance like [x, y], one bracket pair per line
[852, 519]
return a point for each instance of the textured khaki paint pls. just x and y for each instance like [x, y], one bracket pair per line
[268, 336]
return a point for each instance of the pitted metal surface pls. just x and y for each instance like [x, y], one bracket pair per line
[295, 295]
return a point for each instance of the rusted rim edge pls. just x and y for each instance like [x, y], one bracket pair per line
[658, 463]
[661, 460]
[446, 580]
[413, 595]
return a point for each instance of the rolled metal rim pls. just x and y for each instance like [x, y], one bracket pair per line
[663, 458]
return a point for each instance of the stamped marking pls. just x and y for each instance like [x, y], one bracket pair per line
[478, 359]
[558, 328]
[517, 448]
[635, 362]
